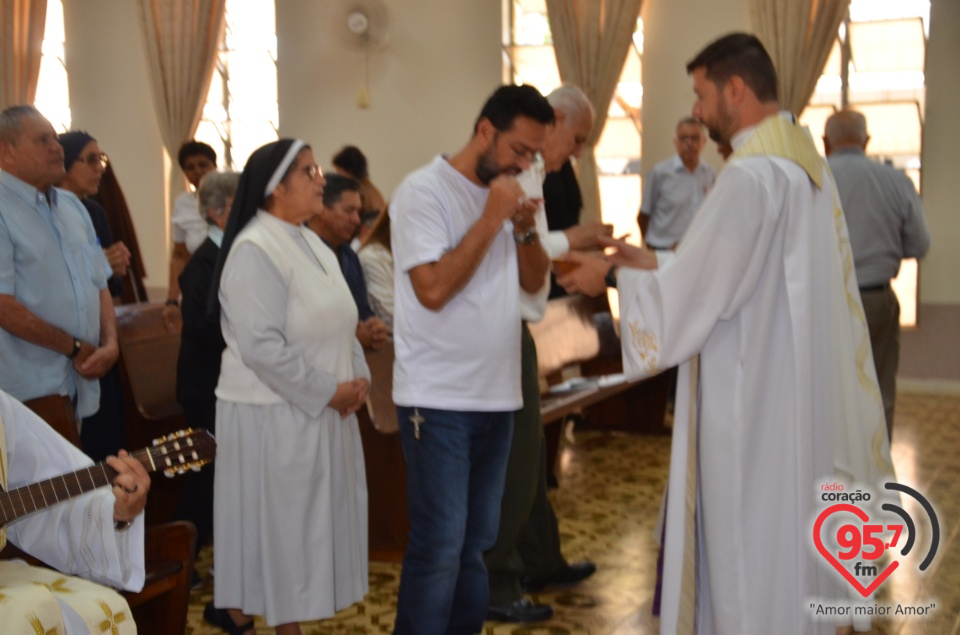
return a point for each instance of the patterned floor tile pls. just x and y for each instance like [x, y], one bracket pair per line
[610, 491]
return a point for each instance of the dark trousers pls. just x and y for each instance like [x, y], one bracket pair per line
[882, 311]
[196, 498]
[528, 542]
[104, 433]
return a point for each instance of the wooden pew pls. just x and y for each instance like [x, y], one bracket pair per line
[148, 376]
[383, 457]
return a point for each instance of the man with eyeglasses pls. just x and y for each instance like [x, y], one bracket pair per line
[527, 555]
[58, 333]
[464, 245]
[674, 189]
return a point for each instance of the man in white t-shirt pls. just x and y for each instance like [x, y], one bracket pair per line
[464, 245]
[527, 553]
[189, 228]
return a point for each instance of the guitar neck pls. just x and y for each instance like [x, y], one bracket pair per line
[31, 498]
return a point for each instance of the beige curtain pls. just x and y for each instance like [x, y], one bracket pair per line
[798, 35]
[591, 39]
[22, 26]
[181, 38]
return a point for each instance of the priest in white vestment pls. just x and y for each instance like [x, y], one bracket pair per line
[98, 535]
[760, 305]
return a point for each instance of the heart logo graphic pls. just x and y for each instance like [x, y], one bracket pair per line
[862, 515]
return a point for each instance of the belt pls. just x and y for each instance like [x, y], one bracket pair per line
[874, 287]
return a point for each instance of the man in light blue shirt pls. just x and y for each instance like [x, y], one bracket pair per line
[57, 326]
[886, 224]
[674, 189]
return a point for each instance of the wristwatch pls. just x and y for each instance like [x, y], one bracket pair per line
[122, 525]
[611, 277]
[77, 345]
[528, 237]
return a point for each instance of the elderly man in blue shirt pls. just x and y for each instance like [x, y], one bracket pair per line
[57, 325]
[886, 224]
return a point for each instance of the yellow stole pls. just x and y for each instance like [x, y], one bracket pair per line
[779, 137]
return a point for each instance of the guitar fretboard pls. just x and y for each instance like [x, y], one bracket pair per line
[30, 498]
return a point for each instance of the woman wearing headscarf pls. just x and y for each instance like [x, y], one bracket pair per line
[290, 498]
[201, 346]
[102, 433]
[85, 164]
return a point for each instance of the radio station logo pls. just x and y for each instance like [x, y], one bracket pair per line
[867, 549]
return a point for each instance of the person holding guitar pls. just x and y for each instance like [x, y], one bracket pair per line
[97, 535]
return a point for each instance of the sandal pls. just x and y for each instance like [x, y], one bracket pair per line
[222, 620]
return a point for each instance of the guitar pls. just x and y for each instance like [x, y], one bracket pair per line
[173, 454]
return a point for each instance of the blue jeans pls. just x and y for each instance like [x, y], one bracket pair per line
[455, 474]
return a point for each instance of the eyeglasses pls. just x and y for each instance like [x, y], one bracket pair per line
[526, 155]
[313, 172]
[93, 159]
[689, 138]
[522, 155]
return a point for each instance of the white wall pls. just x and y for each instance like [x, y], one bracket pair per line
[674, 31]
[940, 189]
[427, 86]
[110, 98]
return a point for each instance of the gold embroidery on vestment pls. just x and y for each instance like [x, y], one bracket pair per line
[113, 619]
[647, 347]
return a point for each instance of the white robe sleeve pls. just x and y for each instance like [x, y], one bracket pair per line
[76, 537]
[667, 315]
[253, 296]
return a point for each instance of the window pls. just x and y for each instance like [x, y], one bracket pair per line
[882, 45]
[53, 95]
[241, 111]
[529, 59]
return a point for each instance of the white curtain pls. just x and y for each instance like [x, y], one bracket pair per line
[591, 39]
[181, 39]
[22, 26]
[798, 34]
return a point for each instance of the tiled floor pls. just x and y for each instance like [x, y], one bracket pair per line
[607, 504]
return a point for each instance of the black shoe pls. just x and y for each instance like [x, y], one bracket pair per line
[572, 574]
[523, 610]
[222, 620]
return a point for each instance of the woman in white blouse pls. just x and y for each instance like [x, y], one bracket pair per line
[376, 259]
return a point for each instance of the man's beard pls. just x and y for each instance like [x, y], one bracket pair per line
[720, 130]
[487, 166]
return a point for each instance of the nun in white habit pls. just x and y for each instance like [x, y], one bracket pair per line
[290, 497]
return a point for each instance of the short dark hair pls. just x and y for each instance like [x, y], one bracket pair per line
[739, 54]
[350, 159]
[335, 187]
[511, 101]
[193, 147]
